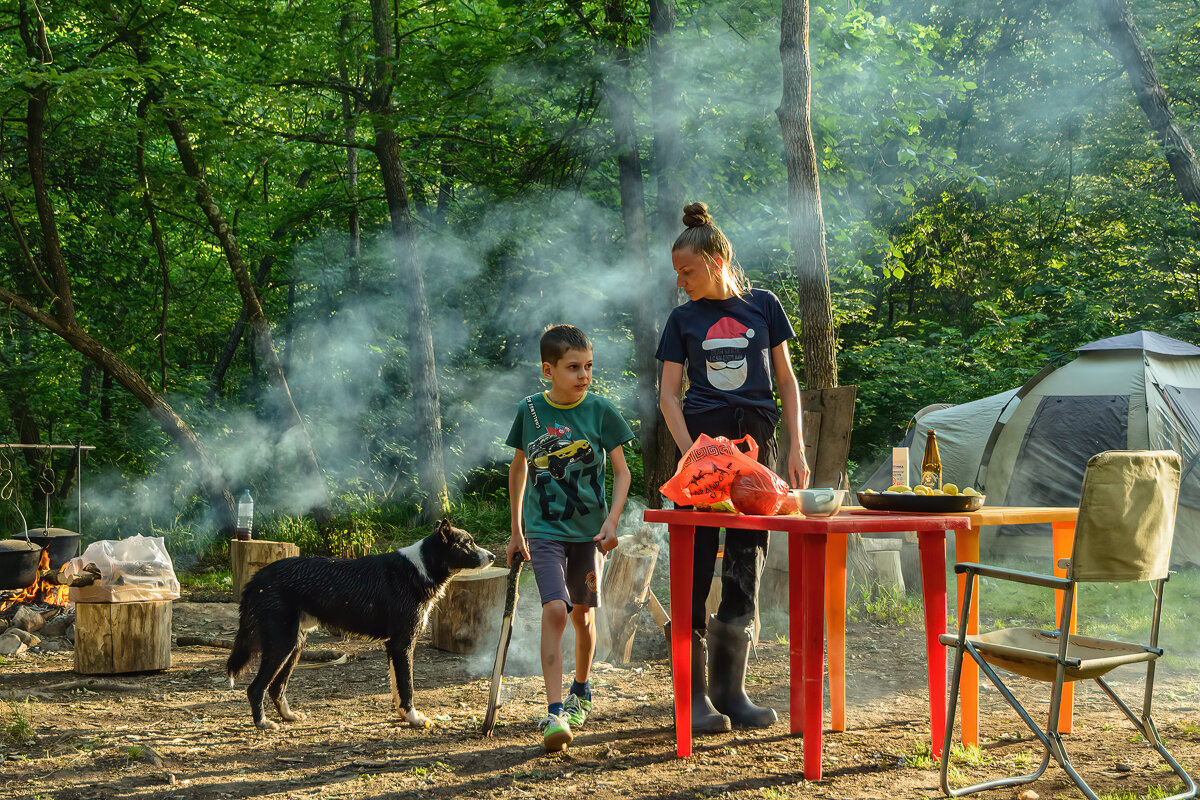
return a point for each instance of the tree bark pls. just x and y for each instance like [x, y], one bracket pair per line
[1151, 96]
[159, 248]
[656, 468]
[410, 281]
[349, 121]
[668, 150]
[661, 295]
[806, 224]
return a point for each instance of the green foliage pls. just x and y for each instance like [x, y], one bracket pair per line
[885, 606]
[1154, 792]
[991, 199]
[20, 730]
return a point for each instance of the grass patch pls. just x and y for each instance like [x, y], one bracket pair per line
[1149, 793]
[20, 730]
[885, 606]
[921, 757]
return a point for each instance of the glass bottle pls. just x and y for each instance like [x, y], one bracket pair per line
[245, 516]
[931, 463]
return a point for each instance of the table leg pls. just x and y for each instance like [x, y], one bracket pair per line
[932, 546]
[966, 548]
[835, 627]
[682, 547]
[796, 583]
[814, 652]
[1063, 542]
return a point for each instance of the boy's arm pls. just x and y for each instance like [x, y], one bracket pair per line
[517, 472]
[621, 481]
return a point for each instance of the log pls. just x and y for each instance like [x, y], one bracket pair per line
[467, 618]
[661, 618]
[111, 638]
[623, 593]
[885, 555]
[226, 643]
[248, 557]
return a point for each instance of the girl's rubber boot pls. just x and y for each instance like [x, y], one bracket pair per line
[705, 718]
[729, 652]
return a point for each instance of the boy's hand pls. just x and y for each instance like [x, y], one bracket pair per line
[516, 544]
[607, 538]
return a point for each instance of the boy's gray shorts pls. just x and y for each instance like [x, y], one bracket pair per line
[567, 571]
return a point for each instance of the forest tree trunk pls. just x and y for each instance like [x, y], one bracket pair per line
[647, 312]
[668, 218]
[260, 330]
[805, 222]
[1151, 96]
[410, 281]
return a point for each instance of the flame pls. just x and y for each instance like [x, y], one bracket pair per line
[41, 591]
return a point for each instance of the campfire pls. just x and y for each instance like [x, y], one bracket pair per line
[42, 591]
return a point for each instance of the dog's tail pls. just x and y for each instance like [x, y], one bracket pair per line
[245, 645]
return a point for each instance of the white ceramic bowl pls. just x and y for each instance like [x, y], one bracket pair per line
[819, 502]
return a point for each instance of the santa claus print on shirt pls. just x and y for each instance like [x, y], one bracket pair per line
[725, 352]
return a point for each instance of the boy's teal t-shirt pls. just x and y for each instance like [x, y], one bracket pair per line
[566, 449]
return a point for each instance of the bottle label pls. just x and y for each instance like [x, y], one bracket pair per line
[931, 479]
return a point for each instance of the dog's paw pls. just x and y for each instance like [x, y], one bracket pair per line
[267, 725]
[294, 716]
[418, 720]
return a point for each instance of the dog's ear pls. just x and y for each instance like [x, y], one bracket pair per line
[443, 528]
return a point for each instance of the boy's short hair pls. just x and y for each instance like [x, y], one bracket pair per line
[558, 339]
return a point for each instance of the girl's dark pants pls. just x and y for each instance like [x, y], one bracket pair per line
[745, 551]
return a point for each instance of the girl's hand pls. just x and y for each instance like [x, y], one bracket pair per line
[798, 470]
[516, 544]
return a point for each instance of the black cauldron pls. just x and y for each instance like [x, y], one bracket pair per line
[62, 544]
[18, 563]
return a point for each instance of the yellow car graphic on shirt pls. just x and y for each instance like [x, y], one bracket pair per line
[565, 453]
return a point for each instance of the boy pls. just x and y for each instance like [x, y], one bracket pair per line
[560, 437]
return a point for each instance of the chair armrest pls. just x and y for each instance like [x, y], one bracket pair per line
[1017, 576]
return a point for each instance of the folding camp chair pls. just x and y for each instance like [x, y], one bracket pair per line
[1126, 521]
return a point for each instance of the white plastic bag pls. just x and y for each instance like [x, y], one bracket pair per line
[134, 569]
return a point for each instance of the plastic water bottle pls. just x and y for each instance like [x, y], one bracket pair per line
[245, 516]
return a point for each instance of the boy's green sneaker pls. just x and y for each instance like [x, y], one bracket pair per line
[556, 732]
[576, 710]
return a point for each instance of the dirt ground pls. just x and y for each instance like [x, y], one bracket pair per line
[182, 733]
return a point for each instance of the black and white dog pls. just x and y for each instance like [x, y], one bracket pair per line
[387, 596]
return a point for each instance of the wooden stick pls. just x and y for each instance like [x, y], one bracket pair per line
[227, 644]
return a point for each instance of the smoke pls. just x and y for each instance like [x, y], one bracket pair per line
[551, 257]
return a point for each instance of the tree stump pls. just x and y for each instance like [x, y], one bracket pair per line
[111, 638]
[623, 594]
[467, 618]
[886, 555]
[249, 556]
[773, 587]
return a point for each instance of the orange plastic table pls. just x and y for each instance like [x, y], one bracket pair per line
[966, 548]
[807, 606]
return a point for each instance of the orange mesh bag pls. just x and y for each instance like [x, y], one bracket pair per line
[707, 470]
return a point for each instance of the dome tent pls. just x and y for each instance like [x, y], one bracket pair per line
[1029, 446]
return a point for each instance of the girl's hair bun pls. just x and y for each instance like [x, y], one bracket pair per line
[695, 215]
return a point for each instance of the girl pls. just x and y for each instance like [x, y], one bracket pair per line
[732, 339]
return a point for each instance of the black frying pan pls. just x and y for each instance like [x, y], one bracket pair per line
[922, 503]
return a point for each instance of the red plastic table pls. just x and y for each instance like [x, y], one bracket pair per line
[807, 607]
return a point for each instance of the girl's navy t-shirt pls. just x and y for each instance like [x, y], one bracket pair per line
[726, 347]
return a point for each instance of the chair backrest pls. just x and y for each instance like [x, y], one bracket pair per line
[1126, 516]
